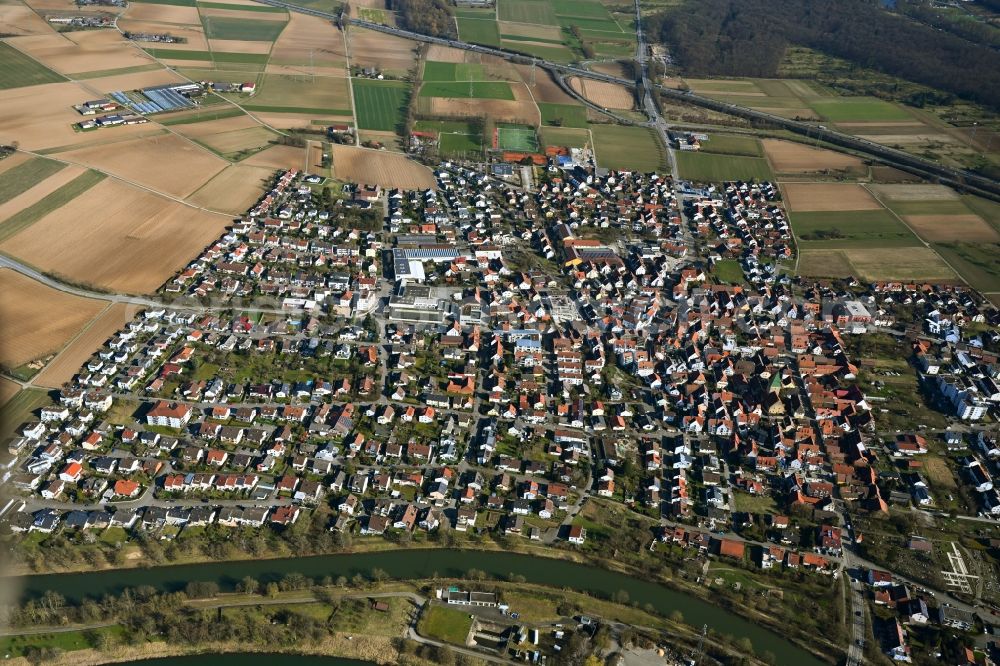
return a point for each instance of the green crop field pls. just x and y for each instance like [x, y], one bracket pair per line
[601, 27]
[217, 56]
[175, 3]
[563, 115]
[62, 196]
[452, 71]
[581, 8]
[527, 11]
[243, 8]
[628, 148]
[467, 90]
[380, 105]
[25, 176]
[857, 109]
[479, 31]
[203, 116]
[329, 94]
[445, 624]
[551, 53]
[859, 228]
[459, 144]
[520, 138]
[20, 70]
[567, 137]
[978, 263]
[709, 168]
[219, 27]
[730, 144]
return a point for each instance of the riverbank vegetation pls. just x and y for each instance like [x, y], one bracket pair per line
[365, 617]
[619, 539]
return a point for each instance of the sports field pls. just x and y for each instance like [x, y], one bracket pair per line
[520, 138]
[467, 90]
[455, 138]
[19, 70]
[715, 168]
[628, 148]
[380, 105]
[563, 115]
[221, 27]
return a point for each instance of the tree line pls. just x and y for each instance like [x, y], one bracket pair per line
[428, 17]
[749, 38]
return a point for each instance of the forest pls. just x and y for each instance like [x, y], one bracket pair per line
[429, 17]
[749, 38]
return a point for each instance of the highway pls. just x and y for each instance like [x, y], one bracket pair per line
[919, 166]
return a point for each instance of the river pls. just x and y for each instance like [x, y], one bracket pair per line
[423, 563]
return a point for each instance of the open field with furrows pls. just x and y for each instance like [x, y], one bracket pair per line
[978, 263]
[84, 51]
[543, 87]
[913, 263]
[952, 228]
[201, 58]
[440, 53]
[375, 49]
[732, 144]
[40, 191]
[567, 137]
[788, 98]
[17, 19]
[530, 31]
[628, 148]
[251, 30]
[921, 192]
[501, 110]
[21, 177]
[299, 120]
[117, 237]
[715, 168]
[8, 389]
[38, 320]
[58, 197]
[236, 144]
[134, 80]
[309, 40]
[380, 105]
[163, 13]
[21, 70]
[387, 169]
[242, 12]
[68, 362]
[603, 94]
[142, 160]
[41, 117]
[824, 263]
[828, 197]
[278, 157]
[13, 161]
[301, 94]
[859, 228]
[233, 190]
[790, 157]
